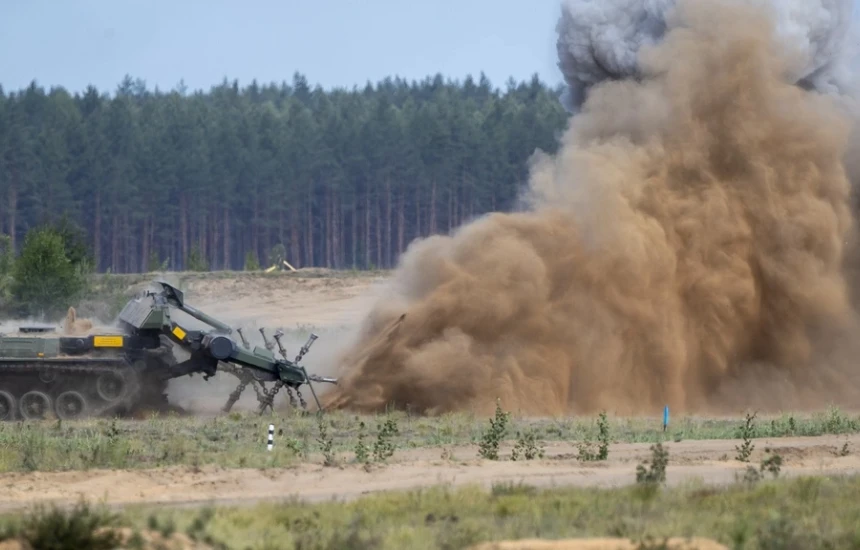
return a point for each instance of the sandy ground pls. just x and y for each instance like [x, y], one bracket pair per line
[329, 305]
[286, 302]
[710, 462]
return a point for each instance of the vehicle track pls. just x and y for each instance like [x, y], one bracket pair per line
[709, 462]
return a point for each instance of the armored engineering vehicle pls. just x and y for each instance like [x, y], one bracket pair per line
[45, 372]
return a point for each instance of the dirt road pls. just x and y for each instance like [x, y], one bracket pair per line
[711, 462]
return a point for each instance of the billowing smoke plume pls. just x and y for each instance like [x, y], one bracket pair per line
[601, 40]
[684, 247]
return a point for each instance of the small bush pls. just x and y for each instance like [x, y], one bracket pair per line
[747, 432]
[489, 446]
[196, 261]
[772, 464]
[655, 473]
[586, 448]
[325, 441]
[527, 446]
[251, 263]
[82, 527]
[362, 453]
[384, 447]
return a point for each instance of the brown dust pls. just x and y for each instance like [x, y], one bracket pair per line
[684, 247]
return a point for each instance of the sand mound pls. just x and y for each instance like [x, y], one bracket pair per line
[142, 540]
[74, 326]
[599, 544]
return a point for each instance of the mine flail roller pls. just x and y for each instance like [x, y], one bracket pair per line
[77, 371]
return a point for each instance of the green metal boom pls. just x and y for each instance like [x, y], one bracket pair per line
[149, 314]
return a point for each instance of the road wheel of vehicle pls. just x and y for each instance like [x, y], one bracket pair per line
[70, 405]
[7, 406]
[34, 405]
[47, 376]
[110, 386]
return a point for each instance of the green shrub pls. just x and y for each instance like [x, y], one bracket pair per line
[196, 261]
[251, 263]
[81, 527]
[45, 279]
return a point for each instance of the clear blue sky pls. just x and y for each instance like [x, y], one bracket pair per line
[74, 43]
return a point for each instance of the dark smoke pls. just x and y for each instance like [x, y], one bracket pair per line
[601, 40]
[686, 246]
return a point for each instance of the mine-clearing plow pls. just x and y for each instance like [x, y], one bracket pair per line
[116, 372]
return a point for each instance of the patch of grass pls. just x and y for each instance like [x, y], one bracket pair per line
[238, 439]
[58, 529]
[813, 512]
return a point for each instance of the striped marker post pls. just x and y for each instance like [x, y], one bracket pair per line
[271, 436]
[665, 417]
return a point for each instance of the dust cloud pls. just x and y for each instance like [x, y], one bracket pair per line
[686, 246]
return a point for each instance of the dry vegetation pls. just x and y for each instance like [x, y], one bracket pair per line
[460, 479]
[238, 440]
[807, 512]
[762, 507]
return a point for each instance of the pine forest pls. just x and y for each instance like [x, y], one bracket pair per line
[341, 178]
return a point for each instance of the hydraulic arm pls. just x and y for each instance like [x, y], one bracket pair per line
[150, 315]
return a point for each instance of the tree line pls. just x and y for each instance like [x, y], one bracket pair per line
[235, 176]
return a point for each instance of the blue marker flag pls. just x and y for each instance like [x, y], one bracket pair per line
[665, 417]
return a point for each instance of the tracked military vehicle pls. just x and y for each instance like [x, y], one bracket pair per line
[78, 371]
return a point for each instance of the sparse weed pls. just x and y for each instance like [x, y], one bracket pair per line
[586, 447]
[295, 446]
[837, 423]
[603, 437]
[653, 471]
[509, 488]
[232, 440]
[751, 476]
[650, 542]
[489, 446]
[586, 451]
[325, 442]
[166, 528]
[32, 447]
[812, 512]
[773, 463]
[527, 446]
[362, 453]
[384, 447]
[81, 527]
[747, 432]
[197, 529]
